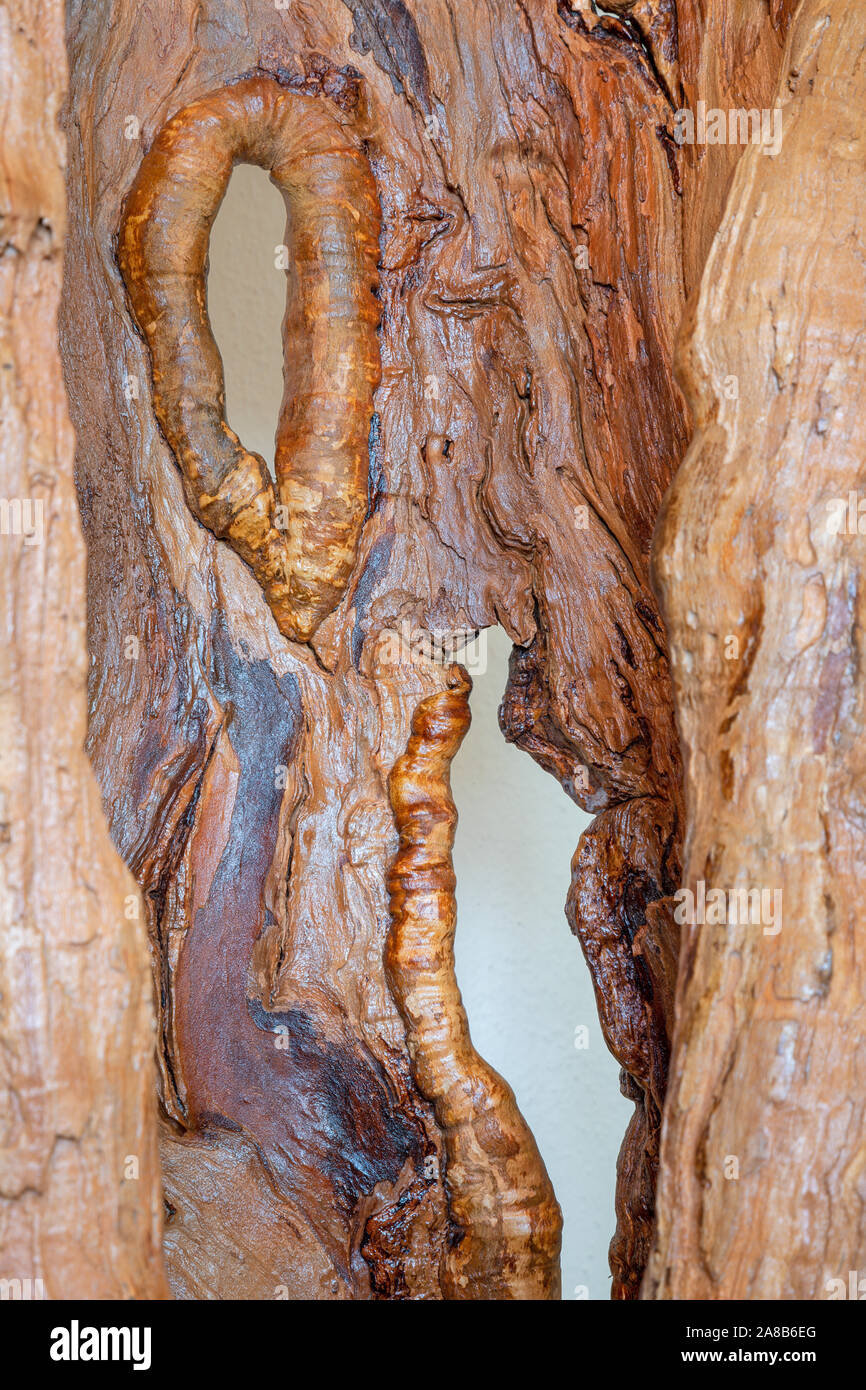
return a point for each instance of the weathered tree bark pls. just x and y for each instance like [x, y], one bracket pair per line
[80, 1199]
[494, 449]
[628, 861]
[759, 560]
[730, 58]
[524, 432]
[480, 428]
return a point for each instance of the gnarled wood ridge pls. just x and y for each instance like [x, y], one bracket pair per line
[499, 1194]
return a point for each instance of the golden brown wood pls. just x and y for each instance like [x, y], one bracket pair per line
[524, 432]
[730, 58]
[80, 1200]
[500, 1199]
[315, 158]
[495, 240]
[761, 572]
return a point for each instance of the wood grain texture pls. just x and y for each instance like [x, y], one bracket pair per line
[730, 57]
[80, 1202]
[303, 553]
[762, 1190]
[525, 429]
[533, 269]
[507, 1222]
[480, 423]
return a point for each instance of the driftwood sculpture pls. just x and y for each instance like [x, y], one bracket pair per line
[572, 345]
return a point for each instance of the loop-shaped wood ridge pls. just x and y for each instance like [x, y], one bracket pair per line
[302, 555]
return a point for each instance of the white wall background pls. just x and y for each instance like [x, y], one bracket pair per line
[522, 974]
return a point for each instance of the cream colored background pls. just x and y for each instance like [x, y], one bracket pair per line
[522, 974]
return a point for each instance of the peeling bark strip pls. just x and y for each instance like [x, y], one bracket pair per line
[318, 164]
[499, 1195]
[764, 1150]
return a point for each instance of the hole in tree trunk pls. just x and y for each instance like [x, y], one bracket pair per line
[247, 303]
[522, 975]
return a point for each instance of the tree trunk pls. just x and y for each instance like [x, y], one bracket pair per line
[523, 434]
[758, 559]
[493, 238]
[79, 1169]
